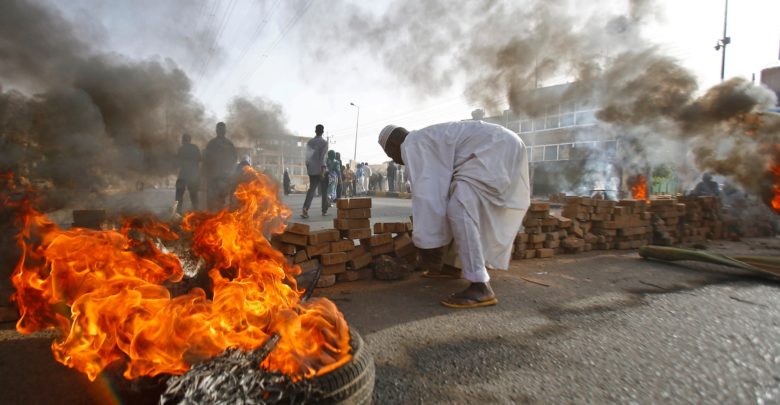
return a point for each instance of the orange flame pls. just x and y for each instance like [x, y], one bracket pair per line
[639, 188]
[104, 292]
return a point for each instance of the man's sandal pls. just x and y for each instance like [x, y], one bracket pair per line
[464, 302]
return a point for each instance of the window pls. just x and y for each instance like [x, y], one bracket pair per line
[526, 126]
[564, 151]
[552, 122]
[551, 152]
[539, 124]
[586, 117]
[567, 120]
[538, 154]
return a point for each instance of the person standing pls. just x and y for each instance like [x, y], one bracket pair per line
[339, 176]
[316, 151]
[219, 162]
[476, 191]
[349, 181]
[366, 177]
[359, 178]
[332, 166]
[188, 161]
[286, 182]
[391, 171]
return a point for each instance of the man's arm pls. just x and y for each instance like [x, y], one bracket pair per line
[323, 157]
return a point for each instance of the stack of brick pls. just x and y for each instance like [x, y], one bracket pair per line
[581, 211]
[353, 222]
[632, 223]
[693, 228]
[400, 240]
[670, 212]
[294, 245]
[542, 233]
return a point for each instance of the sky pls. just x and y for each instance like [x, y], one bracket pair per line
[258, 48]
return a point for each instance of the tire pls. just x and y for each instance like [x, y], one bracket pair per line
[352, 383]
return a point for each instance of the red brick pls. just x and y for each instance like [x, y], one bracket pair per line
[296, 228]
[309, 265]
[362, 233]
[333, 258]
[316, 250]
[294, 239]
[344, 224]
[334, 268]
[301, 256]
[363, 202]
[381, 249]
[325, 235]
[360, 261]
[285, 248]
[357, 213]
[344, 245]
[381, 239]
[545, 253]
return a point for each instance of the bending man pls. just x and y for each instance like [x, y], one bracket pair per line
[470, 182]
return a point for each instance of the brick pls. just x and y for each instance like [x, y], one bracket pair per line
[335, 268]
[361, 233]
[350, 203]
[293, 239]
[401, 240]
[317, 250]
[550, 221]
[323, 236]
[357, 213]
[357, 251]
[522, 237]
[381, 249]
[347, 276]
[326, 280]
[552, 244]
[531, 222]
[297, 228]
[537, 238]
[405, 250]
[344, 224]
[539, 206]
[392, 227]
[309, 265]
[564, 222]
[572, 243]
[344, 245]
[381, 239]
[360, 261]
[333, 258]
[285, 248]
[530, 254]
[545, 253]
[301, 256]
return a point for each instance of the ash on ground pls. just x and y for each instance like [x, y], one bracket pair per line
[234, 377]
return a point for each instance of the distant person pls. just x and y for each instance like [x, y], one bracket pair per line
[476, 190]
[349, 181]
[391, 172]
[359, 179]
[316, 152]
[339, 175]
[219, 161]
[332, 166]
[366, 177]
[706, 187]
[286, 182]
[188, 161]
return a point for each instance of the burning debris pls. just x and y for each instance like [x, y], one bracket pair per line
[105, 293]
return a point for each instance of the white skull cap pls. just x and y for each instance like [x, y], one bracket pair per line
[384, 135]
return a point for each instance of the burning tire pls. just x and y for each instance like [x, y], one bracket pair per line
[352, 383]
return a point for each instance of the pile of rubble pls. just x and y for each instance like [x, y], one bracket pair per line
[349, 251]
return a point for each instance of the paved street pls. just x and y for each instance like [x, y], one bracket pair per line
[599, 327]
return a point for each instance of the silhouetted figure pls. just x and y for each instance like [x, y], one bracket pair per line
[316, 151]
[286, 182]
[219, 162]
[188, 161]
[706, 187]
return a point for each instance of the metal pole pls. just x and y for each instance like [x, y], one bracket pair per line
[725, 41]
[357, 123]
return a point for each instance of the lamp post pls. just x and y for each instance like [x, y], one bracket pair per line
[721, 45]
[357, 122]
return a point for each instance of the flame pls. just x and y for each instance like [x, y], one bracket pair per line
[639, 188]
[106, 294]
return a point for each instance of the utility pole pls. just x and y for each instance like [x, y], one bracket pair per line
[357, 122]
[721, 45]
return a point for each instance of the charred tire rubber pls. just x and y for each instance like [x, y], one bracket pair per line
[352, 383]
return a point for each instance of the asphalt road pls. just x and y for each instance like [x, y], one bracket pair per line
[599, 327]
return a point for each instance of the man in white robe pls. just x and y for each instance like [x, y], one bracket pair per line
[470, 181]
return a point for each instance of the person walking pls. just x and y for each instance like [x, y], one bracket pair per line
[316, 151]
[366, 177]
[332, 166]
[391, 171]
[188, 161]
[219, 160]
[339, 176]
[476, 191]
[286, 182]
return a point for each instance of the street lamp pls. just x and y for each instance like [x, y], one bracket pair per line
[357, 122]
[721, 45]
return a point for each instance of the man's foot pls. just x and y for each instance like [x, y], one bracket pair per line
[324, 213]
[475, 296]
[305, 213]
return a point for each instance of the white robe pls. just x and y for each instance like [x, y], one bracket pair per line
[470, 181]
